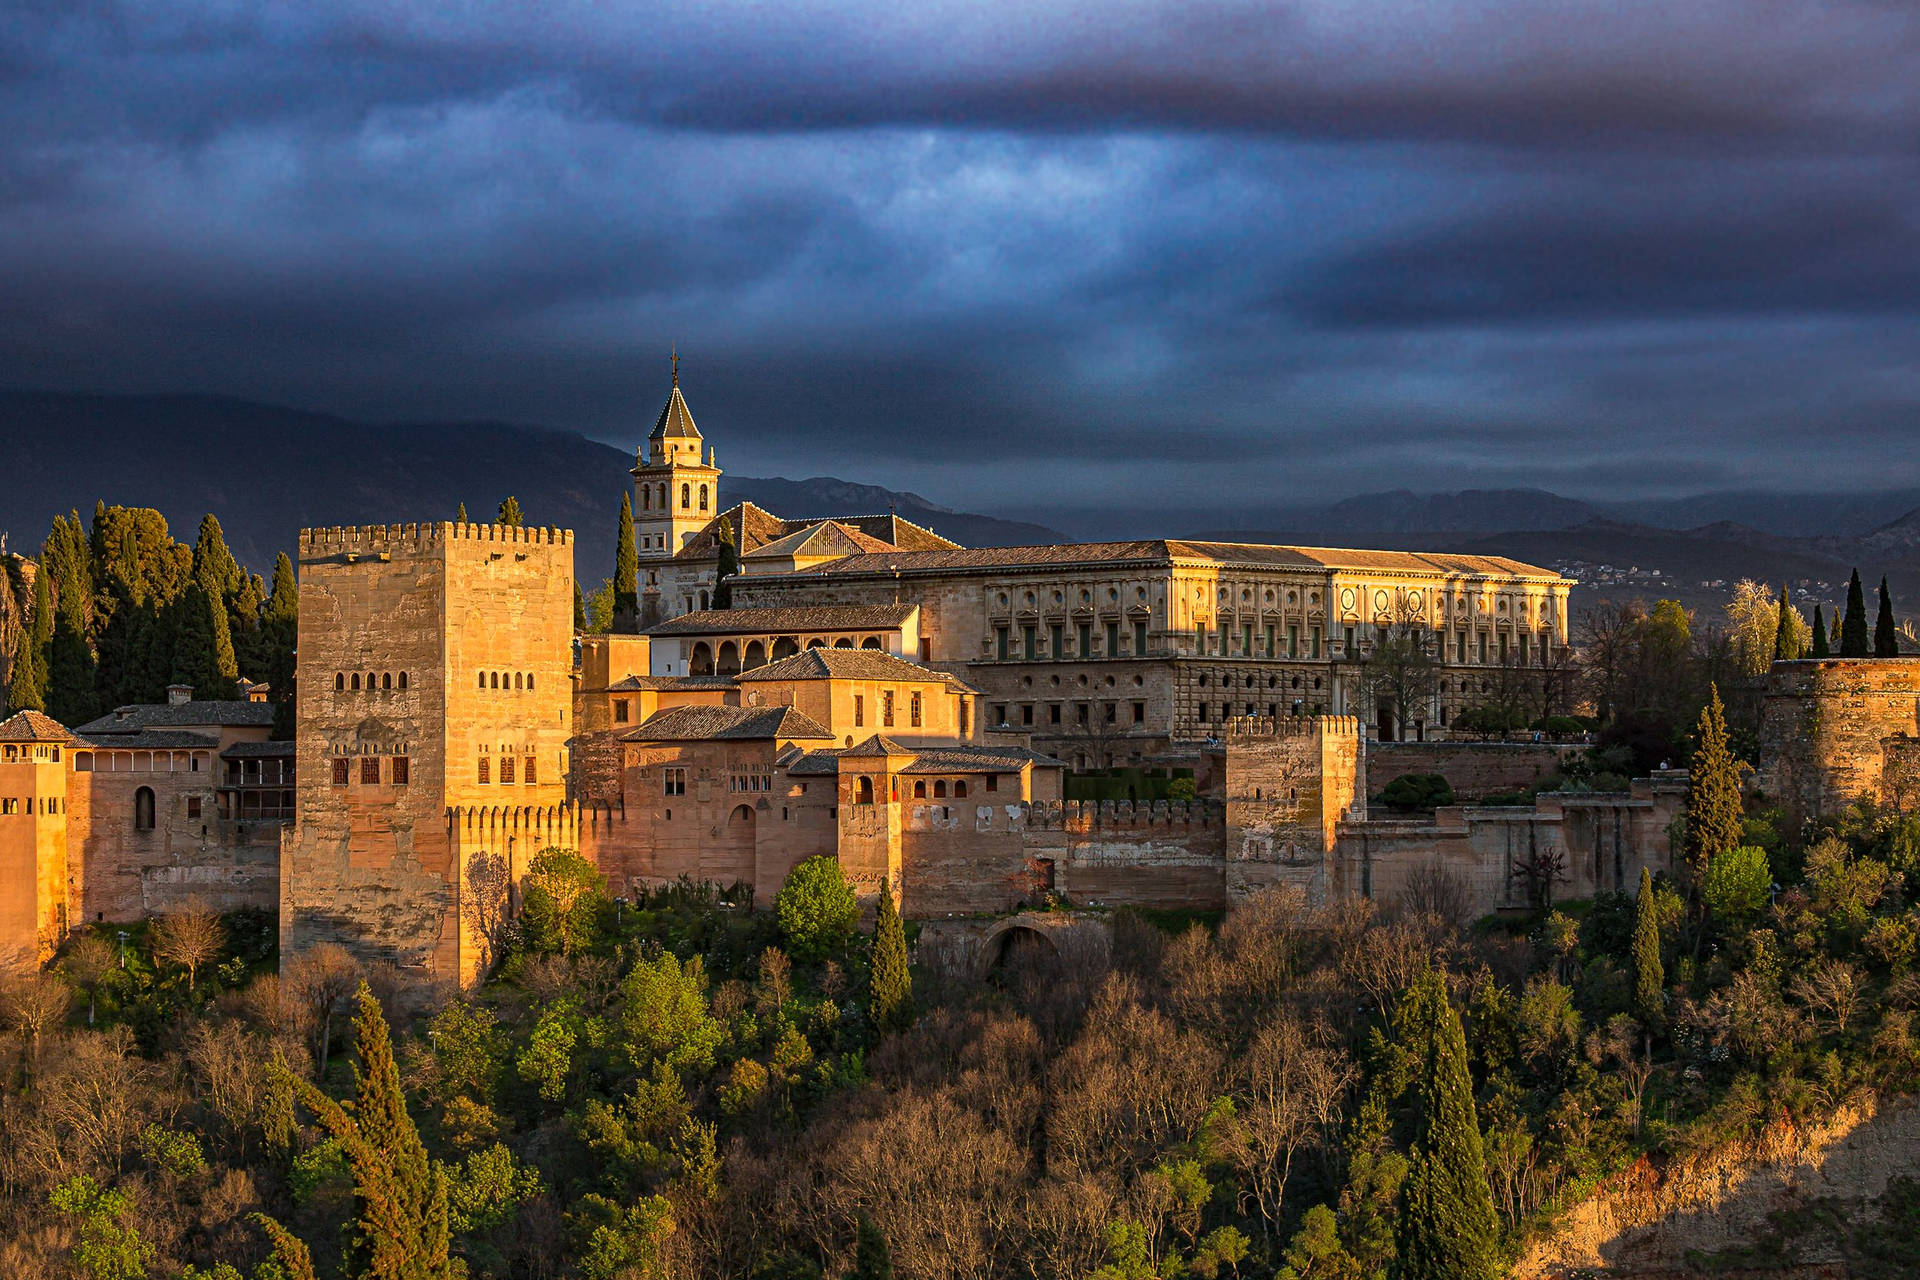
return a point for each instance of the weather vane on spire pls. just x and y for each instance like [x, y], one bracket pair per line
[676, 364]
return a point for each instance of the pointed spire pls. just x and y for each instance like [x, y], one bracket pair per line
[676, 364]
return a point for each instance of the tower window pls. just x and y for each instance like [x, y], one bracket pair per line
[486, 771]
[506, 769]
[386, 680]
[339, 681]
[400, 771]
[339, 771]
[529, 776]
[143, 809]
[703, 497]
[686, 496]
[356, 682]
[403, 681]
[370, 771]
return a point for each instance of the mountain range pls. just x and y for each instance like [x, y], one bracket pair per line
[267, 471]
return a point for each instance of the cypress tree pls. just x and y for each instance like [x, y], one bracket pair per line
[872, 1260]
[1785, 643]
[1446, 1228]
[289, 1252]
[1649, 977]
[279, 633]
[400, 1196]
[460, 516]
[214, 567]
[1886, 640]
[510, 512]
[70, 658]
[1713, 797]
[626, 572]
[1853, 628]
[202, 647]
[890, 993]
[579, 608]
[729, 565]
[28, 691]
[1819, 649]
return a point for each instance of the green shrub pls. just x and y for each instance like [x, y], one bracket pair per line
[817, 909]
[1417, 791]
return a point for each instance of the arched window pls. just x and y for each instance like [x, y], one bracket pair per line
[703, 497]
[519, 681]
[663, 495]
[920, 789]
[843, 643]
[386, 679]
[339, 680]
[356, 682]
[143, 809]
[403, 680]
[756, 656]
[871, 642]
[784, 647]
[646, 497]
[483, 679]
[529, 679]
[496, 679]
[862, 792]
[701, 664]
[729, 664]
[959, 789]
[686, 496]
[370, 684]
[940, 789]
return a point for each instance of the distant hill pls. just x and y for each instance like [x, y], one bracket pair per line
[267, 471]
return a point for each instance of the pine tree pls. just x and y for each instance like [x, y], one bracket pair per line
[890, 993]
[510, 513]
[626, 572]
[279, 633]
[872, 1260]
[1786, 643]
[1853, 628]
[1649, 977]
[1886, 639]
[1714, 813]
[400, 1196]
[728, 566]
[460, 516]
[1446, 1229]
[28, 691]
[1819, 649]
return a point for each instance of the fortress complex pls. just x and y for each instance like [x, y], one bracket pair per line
[876, 694]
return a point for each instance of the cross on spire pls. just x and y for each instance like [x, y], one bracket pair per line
[676, 364]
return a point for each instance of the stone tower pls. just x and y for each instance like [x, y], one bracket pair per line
[434, 679]
[675, 491]
[33, 838]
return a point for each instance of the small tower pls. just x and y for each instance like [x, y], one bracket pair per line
[675, 491]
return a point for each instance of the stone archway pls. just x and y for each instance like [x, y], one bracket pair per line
[729, 663]
[701, 664]
[1014, 944]
[784, 647]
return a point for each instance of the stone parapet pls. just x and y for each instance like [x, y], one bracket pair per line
[374, 538]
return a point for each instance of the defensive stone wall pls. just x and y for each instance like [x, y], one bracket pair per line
[1826, 727]
[1473, 769]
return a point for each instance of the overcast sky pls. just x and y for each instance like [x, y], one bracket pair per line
[1129, 251]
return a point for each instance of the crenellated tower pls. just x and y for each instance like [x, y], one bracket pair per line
[676, 490]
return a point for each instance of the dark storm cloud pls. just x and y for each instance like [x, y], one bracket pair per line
[1143, 252]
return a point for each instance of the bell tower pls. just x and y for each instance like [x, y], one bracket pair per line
[675, 491]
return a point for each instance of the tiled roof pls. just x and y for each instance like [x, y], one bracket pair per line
[812, 764]
[692, 724]
[753, 528]
[878, 745]
[719, 622]
[152, 740]
[257, 750]
[670, 683]
[1160, 552]
[896, 532]
[32, 726]
[844, 664]
[675, 420]
[227, 713]
[966, 758]
[824, 538]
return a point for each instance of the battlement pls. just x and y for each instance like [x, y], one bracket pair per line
[1241, 728]
[374, 539]
[1080, 815]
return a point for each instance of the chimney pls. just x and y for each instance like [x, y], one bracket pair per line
[179, 694]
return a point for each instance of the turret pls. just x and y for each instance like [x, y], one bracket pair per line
[675, 491]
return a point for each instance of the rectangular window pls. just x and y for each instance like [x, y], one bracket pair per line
[1483, 646]
[1246, 640]
[993, 782]
[340, 771]
[1316, 642]
[886, 708]
[1026, 714]
[1203, 713]
[1139, 637]
[1086, 640]
[859, 710]
[529, 776]
[401, 771]
[486, 771]
[1460, 647]
[1293, 641]
[1349, 642]
[1503, 646]
[913, 709]
[1031, 640]
[1113, 639]
[1139, 713]
[369, 771]
[1057, 637]
[1053, 713]
[193, 806]
[1112, 713]
[506, 769]
[1000, 643]
[619, 710]
[1272, 648]
[1080, 712]
[673, 782]
[1000, 713]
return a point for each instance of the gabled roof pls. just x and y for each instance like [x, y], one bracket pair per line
[755, 527]
[675, 419]
[696, 724]
[152, 740]
[227, 713]
[668, 684]
[877, 746]
[837, 617]
[951, 757]
[33, 726]
[258, 751]
[844, 664]
[752, 527]
[827, 538]
[894, 531]
[1163, 552]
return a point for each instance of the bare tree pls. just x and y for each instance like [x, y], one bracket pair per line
[1833, 989]
[87, 963]
[1610, 634]
[1403, 671]
[1290, 1091]
[1437, 890]
[319, 980]
[489, 905]
[34, 1004]
[189, 938]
